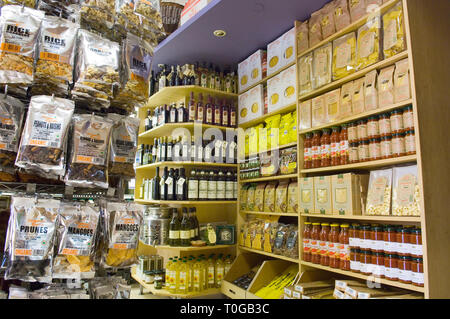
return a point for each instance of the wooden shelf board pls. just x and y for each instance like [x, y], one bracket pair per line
[286, 109]
[337, 84]
[173, 94]
[265, 179]
[269, 213]
[360, 116]
[192, 248]
[168, 129]
[268, 77]
[183, 164]
[406, 219]
[350, 28]
[169, 202]
[363, 166]
[365, 277]
[165, 293]
[261, 252]
[281, 147]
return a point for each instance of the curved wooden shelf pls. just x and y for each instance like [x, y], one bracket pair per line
[266, 179]
[285, 109]
[183, 164]
[269, 213]
[192, 248]
[175, 202]
[365, 277]
[261, 252]
[403, 219]
[169, 128]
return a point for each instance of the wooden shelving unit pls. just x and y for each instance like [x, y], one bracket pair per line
[179, 202]
[194, 249]
[396, 219]
[261, 252]
[267, 179]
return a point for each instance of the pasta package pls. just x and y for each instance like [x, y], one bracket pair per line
[345, 109]
[368, 45]
[291, 246]
[358, 96]
[357, 9]
[30, 239]
[379, 194]
[306, 190]
[44, 139]
[406, 192]
[98, 14]
[292, 206]
[402, 82]
[386, 86]
[371, 91]
[322, 195]
[280, 238]
[126, 16]
[394, 31]
[332, 105]
[281, 197]
[315, 29]
[341, 14]
[251, 197]
[11, 118]
[55, 59]
[77, 234]
[303, 37]
[18, 38]
[269, 197]
[27, 3]
[306, 79]
[288, 161]
[293, 128]
[318, 110]
[123, 145]
[121, 226]
[305, 115]
[259, 197]
[88, 161]
[322, 65]
[243, 197]
[327, 20]
[285, 128]
[344, 56]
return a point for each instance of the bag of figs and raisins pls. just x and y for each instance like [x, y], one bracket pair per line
[88, 162]
[44, 139]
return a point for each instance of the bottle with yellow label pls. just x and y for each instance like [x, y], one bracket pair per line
[197, 282]
[173, 277]
[168, 272]
[183, 278]
[219, 271]
[211, 272]
[204, 267]
[190, 264]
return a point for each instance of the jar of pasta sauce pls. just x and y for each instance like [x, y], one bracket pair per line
[378, 265]
[315, 239]
[384, 124]
[404, 269]
[377, 239]
[315, 148]
[408, 118]
[390, 239]
[307, 242]
[333, 246]
[374, 149]
[344, 146]
[397, 121]
[410, 142]
[417, 277]
[344, 249]
[398, 145]
[354, 153]
[373, 130]
[353, 236]
[403, 241]
[364, 237]
[325, 148]
[416, 243]
[352, 129]
[363, 151]
[335, 139]
[323, 243]
[391, 267]
[355, 256]
[307, 151]
[386, 147]
[365, 262]
[362, 130]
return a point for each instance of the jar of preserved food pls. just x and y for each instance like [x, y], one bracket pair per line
[333, 244]
[408, 118]
[335, 140]
[384, 124]
[374, 149]
[398, 145]
[373, 130]
[362, 129]
[403, 241]
[410, 142]
[378, 265]
[396, 121]
[344, 250]
[352, 130]
[417, 277]
[325, 231]
[325, 148]
[353, 234]
[363, 151]
[390, 239]
[386, 147]
[344, 146]
[364, 237]
[307, 151]
[315, 147]
[404, 269]
[416, 243]
[366, 262]
[315, 238]
[377, 239]
[307, 241]
[354, 153]
[391, 267]
[355, 264]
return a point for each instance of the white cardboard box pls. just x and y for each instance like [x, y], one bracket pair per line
[288, 86]
[274, 93]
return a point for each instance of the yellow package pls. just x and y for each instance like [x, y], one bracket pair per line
[263, 139]
[284, 128]
[253, 139]
[293, 128]
[368, 48]
[269, 197]
[246, 151]
[344, 56]
[305, 74]
[273, 122]
[394, 34]
[243, 198]
[251, 197]
[322, 65]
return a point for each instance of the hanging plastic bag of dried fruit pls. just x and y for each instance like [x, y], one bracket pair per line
[26, 3]
[66, 9]
[97, 70]
[121, 225]
[19, 32]
[98, 15]
[77, 232]
[55, 59]
[30, 239]
[135, 76]
[88, 160]
[123, 145]
[44, 139]
[11, 117]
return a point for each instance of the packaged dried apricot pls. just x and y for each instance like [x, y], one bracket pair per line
[394, 31]
[368, 47]
[344, 56]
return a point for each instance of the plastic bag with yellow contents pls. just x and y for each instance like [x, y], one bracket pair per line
[322, 65]
[284, 128]
[368, 45]
[394, 32]
[121, 225]
[273, 126]
[344, 56]
[306, 74]
[293, 128]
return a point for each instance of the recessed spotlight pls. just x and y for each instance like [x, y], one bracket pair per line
[220, 33]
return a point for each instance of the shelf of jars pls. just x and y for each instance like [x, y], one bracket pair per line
[282, 110]
[269, 213]
[176, 93]
[265, 179]
[354, 76]
[375, 218]
[168, 129]
[180, 202]
[185, 164]
[261, 252]
[363, 165]
[365, 277]
[268, 77]
[359, 116]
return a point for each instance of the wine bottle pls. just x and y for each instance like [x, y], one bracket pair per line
[185, 234]
[192, 109]
[169, 157]
[202, 186]
[155, 187]
[174, 229]
[221, 186]
[193, 186]
[181, 189]
[163, 185]
[200, 110]
[212, 186]
[169, 182]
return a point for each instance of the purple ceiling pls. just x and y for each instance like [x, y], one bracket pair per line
[250, 25]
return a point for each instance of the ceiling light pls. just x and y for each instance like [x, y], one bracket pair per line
[220, 33]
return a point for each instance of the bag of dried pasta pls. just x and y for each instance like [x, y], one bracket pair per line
[123, 145]
[19, 33]
[322, 66]
[88, 160]
[11, 118]
[97, 70]
[394, 32]
[55, 61]
[344, 56]
[77, 232]
[368, 48]
[127, 19]
[43, 145]
[121, 225]
[30, 239]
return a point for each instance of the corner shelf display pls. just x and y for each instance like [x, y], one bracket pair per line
[207, 211]
[427, 155]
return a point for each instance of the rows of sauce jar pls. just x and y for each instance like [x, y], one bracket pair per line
[378, 137]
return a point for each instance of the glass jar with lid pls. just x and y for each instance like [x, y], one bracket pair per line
[404, 269]
[352, 130]
[378, 264]
[355, 256]
[325, 148]
[417, 277]
[377, 239]
[307, 151]
[410, 142]
[397, 121]
[384, 124]
[366, 262]
[344, 146]
[362, 129]
[333, 244]
[365, 237]
[403, 241]
[373, 130]
[344, 249]
[408, 118]
[335, 140]
[324, 232]
[416, 243]
[315, 147]
[374, 149]
[307, 241]
[353, 234]
[386, 147]
[363, 151]
[315, 239]
[391, 267]
[354, 153]
[398, 145]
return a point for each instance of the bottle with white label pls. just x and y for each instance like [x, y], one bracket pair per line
[211, 272]
[212, 186]
[199, 155]
[174, 229]
[221, 186]
[202, 186]
[235, 186]
[185, 233]
[193, 186]
[181, 186]
[163, 185]
[208, 152]
[217, 151]
[193, 150]
[229, 186]
[170, 185]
